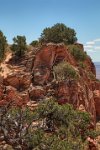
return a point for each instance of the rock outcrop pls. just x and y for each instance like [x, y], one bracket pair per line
[49, 55]
[20, 80]
[34, 80]
[77, 93]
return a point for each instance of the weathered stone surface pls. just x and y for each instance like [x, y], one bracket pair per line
[21, 87]
[90, 66]
[37, 93]
[11, 95]
[78, 95]
[48, 56]
[97, 102]
[1, 91]
[20, 81]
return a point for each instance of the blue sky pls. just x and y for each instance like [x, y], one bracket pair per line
[30, 17]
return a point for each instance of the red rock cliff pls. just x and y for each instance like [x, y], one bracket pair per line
[36, 81]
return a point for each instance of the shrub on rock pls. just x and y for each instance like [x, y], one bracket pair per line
[77, 52]
[58, 33]
[65, 71]
[3, 44]
[19, 46]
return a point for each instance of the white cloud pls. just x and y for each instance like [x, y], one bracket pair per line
[90, 43]
[88, 46]
[92, 46]
[97, 47]
[97, 40]
[89, 50]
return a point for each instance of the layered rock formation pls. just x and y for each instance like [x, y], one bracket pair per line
[33, 80]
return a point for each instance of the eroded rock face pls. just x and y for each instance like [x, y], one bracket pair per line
[97, 102]
[78, 95]
[90, 65]
[11, 95]
[1, 91]
[20, 81]
[22, 86]
[36, 93]
[48, 56]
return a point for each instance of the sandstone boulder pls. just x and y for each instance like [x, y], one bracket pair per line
[20, 81]
[37, 93]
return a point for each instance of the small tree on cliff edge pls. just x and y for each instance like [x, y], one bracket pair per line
[58, 33]
[3, 44]
[19, 45]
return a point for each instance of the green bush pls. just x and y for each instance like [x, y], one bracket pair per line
[68, 126]
[58, 33]
[35, 43]
[49, 127]
[77, 52]
[65, 71]
[19, 46]
[82, 65]
[3, 44]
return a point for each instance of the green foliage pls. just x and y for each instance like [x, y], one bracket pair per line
[70, 127]
[19, 46]
[93, 134]
[58, 33]
[49, 127]
[15, 125]
[3, 44]
[91, 75]
[35, 43]
[65, 71]
[34, 139]
[63, 115]
[78, 53]
[26, 114]
[82, 65]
